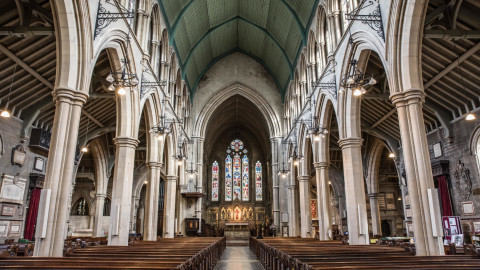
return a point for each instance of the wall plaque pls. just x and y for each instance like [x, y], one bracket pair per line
[8, 210]
[18, 155]
[14, 228]
[12, 189]
[38, 164]
[437, 150]
[4, 227]
[468, 209]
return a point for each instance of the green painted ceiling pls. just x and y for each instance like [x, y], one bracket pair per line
[270, 31]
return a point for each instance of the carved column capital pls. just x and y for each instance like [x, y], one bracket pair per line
[350, 142]
[408, 97]
[126, 141]
[321, 165]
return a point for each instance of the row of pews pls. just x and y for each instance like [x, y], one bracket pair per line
[303, 254]
[191, 253]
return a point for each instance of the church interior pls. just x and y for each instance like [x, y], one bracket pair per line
[246, 134]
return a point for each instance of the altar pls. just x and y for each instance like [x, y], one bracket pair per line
[237, 230]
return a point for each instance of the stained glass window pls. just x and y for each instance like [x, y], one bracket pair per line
[228, 178]
[258, 181]
[237, 178]
[215, 181]
[245, 195]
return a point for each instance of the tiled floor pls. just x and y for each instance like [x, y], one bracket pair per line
[238, 258]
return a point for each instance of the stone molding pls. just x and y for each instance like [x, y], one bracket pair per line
[350, 142]
[126, 141]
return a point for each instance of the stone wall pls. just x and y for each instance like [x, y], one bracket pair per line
[15, 179]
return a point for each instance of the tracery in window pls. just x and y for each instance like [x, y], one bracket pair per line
[80, 208]
[237, 178]
[245, 188]
[215, 181]
[258, 181]
[228, 178]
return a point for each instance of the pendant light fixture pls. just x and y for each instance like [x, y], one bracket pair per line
[85, 148]
[470, 115]
[5, 112]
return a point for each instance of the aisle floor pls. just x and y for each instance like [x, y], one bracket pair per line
[238, 258]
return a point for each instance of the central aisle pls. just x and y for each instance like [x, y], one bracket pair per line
[238, 258]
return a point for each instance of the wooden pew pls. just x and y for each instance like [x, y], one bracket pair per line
[179, 253]
[297, 253]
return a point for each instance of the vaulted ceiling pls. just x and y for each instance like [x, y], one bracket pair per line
[270, 31]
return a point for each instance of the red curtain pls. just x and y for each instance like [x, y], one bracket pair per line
[32, 214]
[444, 196]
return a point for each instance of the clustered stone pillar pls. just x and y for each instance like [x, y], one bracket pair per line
[60, 167]
[418, 170]
[151, 201]
[181, 202]
[355, 190]
[170, 194]
[122, 190]
[375, 214]
[323, 199]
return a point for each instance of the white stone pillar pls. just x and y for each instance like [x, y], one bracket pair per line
[355, 191]
[292, 213]
[151, 201]
[99, 204]
[323, 199]
[122, 191]
[154, 57]
[182, 202]
[170, 194]
[142, 28]
[276, 184]
[199, 160]
[418, 170]
[304, 194]
[60, 166]
[375, 214]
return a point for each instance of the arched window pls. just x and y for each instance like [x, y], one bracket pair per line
[106, 207]
[245, 184]
[258, 181]
[80, 208]
[228, 178]
[215, 181]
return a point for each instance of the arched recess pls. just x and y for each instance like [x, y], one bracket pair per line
[323, 39]
[163, 72]
[237, 89]
[348, 105]
[73, 39]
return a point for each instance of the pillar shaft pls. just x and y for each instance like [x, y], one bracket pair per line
[151, 201]
[323, 200]
[199, 160]
[304, 194]
[355, 191]
[122, 191]
[276, 184]
[375, 214]
[59, 174]
[418, 170]
[292, 213]
[170, 194]
[99, 204]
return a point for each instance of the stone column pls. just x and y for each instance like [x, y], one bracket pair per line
[292, 214]
[182, 202]
[170, 194]
[375, 213]
[99, 204]
[199, 160]
[151, 201]
[355, 191]
[60, 167]
[304, 192]
[154, 56]
[122, 190]
[418, 170]
[276, 184]
[142, 28]
[323, 199]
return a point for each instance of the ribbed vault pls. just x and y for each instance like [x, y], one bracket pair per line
[270, 31]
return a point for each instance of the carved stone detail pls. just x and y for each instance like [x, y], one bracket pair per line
[463, 183]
